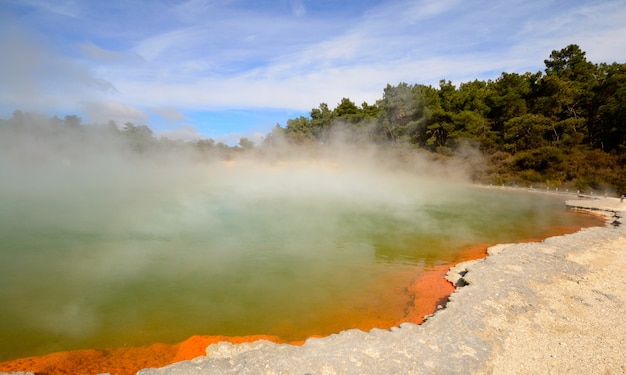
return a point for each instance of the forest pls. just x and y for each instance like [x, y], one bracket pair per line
[564, 128]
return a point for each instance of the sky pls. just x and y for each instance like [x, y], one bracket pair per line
[226, 69]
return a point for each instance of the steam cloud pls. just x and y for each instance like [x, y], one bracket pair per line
[100, 234]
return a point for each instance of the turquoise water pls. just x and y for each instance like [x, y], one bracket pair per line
[96, 258]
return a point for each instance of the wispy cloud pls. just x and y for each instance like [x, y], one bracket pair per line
[36, 76]
[208, 55]
[63, 8]
[103, 111]
[182, 132]
[170, 113]
[297, 7]
[98, 54]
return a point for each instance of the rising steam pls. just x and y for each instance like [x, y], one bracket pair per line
[103, 228]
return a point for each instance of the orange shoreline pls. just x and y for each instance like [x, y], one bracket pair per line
[427, 291]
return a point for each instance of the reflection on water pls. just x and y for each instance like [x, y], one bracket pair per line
[102, 264]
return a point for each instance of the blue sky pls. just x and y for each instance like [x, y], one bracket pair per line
[232, 68]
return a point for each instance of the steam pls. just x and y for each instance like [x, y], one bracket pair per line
[102, 230]
[114, 215]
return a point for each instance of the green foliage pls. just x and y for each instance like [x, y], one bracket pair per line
[139, 137]
[526, 132]
[246, 144]
[347, 110]
[549, 128]
[275, 138]
[321, 122]
[405, 113]
[299, 130]
[609, 122]
[509, 97]
[539, 159]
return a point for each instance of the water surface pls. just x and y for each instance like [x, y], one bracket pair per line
[120, 258]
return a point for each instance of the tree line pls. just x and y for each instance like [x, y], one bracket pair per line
[562, 128]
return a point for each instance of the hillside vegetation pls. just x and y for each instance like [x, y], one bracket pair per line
[565, 128]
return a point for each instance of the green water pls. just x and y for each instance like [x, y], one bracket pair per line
[107, 259]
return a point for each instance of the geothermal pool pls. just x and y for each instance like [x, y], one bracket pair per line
[111, 256]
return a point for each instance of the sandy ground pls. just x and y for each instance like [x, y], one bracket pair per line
[552, 307]
[581, 327]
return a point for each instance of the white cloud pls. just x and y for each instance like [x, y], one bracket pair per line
[157, 45]
[99, 54]
[181, 133]
[297, 7]
[102, 112]
[195, 10]
[62, 7]
[170, 113]
[425, 9]
[34, 76]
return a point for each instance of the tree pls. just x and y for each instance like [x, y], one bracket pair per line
[205, 145]
[246, 144]
[140, 137]
[532, 126]
[347, 111]
[608, 126]
[526, 132]
[276, 137]
[404, 113]
[474, 126]
[466, 116]
[370, 111]
[112, 127]
[571, 64]
[566, 90]
[471, 96]
[447, 96]
[72, 121]
[321, 122]
[299, 130]
[509, 96]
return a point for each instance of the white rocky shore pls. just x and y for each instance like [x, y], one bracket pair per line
[553, 307]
